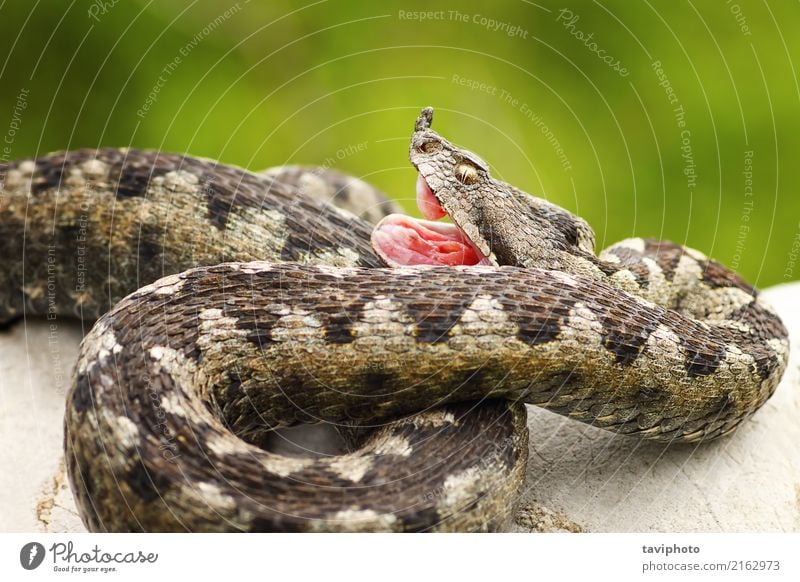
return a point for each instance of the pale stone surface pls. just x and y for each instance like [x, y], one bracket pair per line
[579, 478]
[36, 361]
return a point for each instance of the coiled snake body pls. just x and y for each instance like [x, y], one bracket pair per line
[287, 315]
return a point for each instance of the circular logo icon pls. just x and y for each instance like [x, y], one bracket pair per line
[31, 555]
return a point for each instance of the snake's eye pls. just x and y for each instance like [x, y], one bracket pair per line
[466, 173]
[430, 147]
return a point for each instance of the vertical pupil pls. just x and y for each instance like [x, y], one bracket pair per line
[465, 173]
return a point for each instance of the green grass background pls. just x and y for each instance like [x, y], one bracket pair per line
[283, 82]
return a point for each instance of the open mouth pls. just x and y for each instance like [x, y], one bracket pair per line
[404, 241]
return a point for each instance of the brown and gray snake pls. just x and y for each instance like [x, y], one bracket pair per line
[232, 303]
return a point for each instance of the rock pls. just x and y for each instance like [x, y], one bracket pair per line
[579, 478]
[36, 361]
[532, 517]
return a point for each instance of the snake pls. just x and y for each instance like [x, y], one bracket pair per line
[228, 304]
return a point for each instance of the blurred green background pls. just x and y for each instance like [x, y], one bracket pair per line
[668, 119]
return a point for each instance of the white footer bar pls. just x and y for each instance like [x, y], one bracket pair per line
[386, 557]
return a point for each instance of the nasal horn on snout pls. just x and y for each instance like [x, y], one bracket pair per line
[424, 120]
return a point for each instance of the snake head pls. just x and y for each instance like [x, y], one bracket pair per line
[448, 175]
[449, 172]
[450, 182]
[493, 223]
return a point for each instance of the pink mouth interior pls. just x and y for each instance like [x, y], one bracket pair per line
[427, 202]
[404, 241]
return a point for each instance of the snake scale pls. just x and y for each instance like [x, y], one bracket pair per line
[232, 303]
